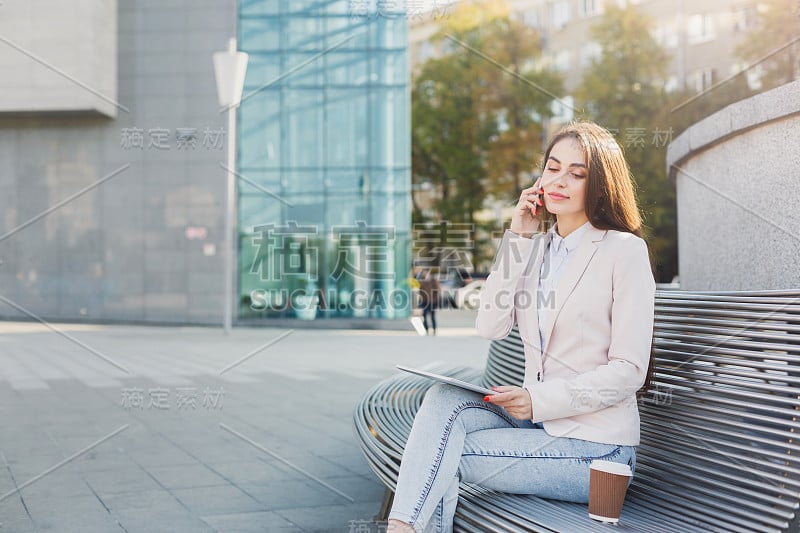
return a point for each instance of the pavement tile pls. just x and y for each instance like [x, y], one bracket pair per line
[69, 513]
[177, 520]
[101, 459]
[25, 468]
[351, 460]
[128, 478]
[253, 471]
[56, 485]
[317, 466]
[13, 516]
[293, 493]
[149, 499]
[250, 522]
[359, 488]
[163, 455]
[186, 476]
[222, 499]
[333, 517]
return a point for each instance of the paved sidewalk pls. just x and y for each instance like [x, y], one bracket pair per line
[177, 446]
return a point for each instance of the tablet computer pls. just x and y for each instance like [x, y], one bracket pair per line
[450, 381]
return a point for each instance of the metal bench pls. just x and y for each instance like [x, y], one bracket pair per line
[718, 449]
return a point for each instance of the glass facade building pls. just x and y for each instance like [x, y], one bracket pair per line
[324, 195]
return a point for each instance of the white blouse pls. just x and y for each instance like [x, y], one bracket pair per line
[559, 249]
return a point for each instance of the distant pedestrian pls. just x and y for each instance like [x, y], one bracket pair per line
[430, 291]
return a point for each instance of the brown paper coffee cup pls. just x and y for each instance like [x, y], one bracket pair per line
[608, 483]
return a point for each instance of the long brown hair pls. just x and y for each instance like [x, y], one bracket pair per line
[610, 195]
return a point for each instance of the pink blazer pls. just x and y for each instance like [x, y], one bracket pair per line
[600, 321]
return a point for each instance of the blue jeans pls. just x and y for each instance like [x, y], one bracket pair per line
[457, 437]
[429, 309]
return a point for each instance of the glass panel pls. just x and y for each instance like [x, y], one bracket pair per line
[347, 68]
[257, 183]
[260, 34]
[391, 32]
[345, 209]
[259, 7]
[263, 68]
[346, 128]
[304, 121]
[355, 36]
[304, 33]
[300, 7]
[260, 130]
[303, 182]
[303, 69]
[348, 182]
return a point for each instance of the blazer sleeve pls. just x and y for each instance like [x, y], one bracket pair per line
[496, 315]
[632, 316]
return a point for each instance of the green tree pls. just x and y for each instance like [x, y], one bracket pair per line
[448, 139]
[519, 97]
[778, 25]
[476, 116]
[623, 91]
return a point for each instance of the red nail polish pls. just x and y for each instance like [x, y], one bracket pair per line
[485, 398]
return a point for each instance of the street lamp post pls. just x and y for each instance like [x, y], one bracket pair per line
[229, 70]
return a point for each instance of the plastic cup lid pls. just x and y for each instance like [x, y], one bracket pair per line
[611, 467]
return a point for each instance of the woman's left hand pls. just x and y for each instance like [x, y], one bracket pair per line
[515, 400]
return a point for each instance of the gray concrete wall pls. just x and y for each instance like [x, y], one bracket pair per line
[738, 182]
[120, 251]
[58, 56]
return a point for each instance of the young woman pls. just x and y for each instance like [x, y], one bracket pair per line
[582, 293]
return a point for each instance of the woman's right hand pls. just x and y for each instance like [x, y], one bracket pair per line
[524, 221]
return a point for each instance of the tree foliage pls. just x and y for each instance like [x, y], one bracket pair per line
[477, 116]
[778, 25]
[623, 90]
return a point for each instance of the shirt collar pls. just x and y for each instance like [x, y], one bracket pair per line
[564, 245]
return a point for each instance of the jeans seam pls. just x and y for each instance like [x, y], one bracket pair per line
[522, 455]
[529, 456]
[443, 444]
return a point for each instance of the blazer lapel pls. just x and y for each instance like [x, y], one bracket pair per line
[573, 271]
